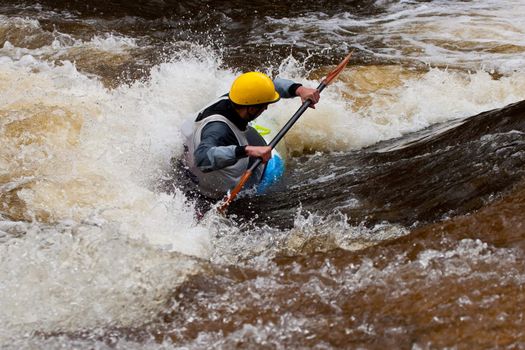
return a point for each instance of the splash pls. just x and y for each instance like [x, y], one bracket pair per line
[54, 275]
[374, 103]
[87, 241]
[81, 222]
[310, 234]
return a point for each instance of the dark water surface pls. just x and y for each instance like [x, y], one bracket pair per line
[452, 168]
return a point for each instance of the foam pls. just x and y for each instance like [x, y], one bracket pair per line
[88, 241]
[95, 244]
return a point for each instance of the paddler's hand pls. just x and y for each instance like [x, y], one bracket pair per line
[308, 94]
[263, 152]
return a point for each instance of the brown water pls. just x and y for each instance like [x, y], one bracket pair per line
[399, 223]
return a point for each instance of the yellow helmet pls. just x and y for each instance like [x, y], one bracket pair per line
[253, 88]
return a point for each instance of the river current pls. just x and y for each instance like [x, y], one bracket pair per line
[399, 222]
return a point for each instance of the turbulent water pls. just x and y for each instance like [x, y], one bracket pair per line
[399, 223]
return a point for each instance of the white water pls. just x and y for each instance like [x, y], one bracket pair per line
[472, 35]
[98, 246]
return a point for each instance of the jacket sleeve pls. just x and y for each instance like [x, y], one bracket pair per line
[218, 148]
[286, 88]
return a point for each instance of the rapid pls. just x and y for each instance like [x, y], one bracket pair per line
[399, 223]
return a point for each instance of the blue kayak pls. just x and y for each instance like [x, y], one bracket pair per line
[274, 169]
[272, 173]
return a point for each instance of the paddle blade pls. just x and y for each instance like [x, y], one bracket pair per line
[337, 70]
[231, 196]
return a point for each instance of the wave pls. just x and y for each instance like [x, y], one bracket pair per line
[449, 169]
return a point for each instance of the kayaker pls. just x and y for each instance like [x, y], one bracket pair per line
[218, 140]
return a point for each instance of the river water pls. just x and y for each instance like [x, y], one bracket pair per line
[399, 224]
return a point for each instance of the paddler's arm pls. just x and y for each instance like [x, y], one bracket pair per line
[219, 148]
[288, 89]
